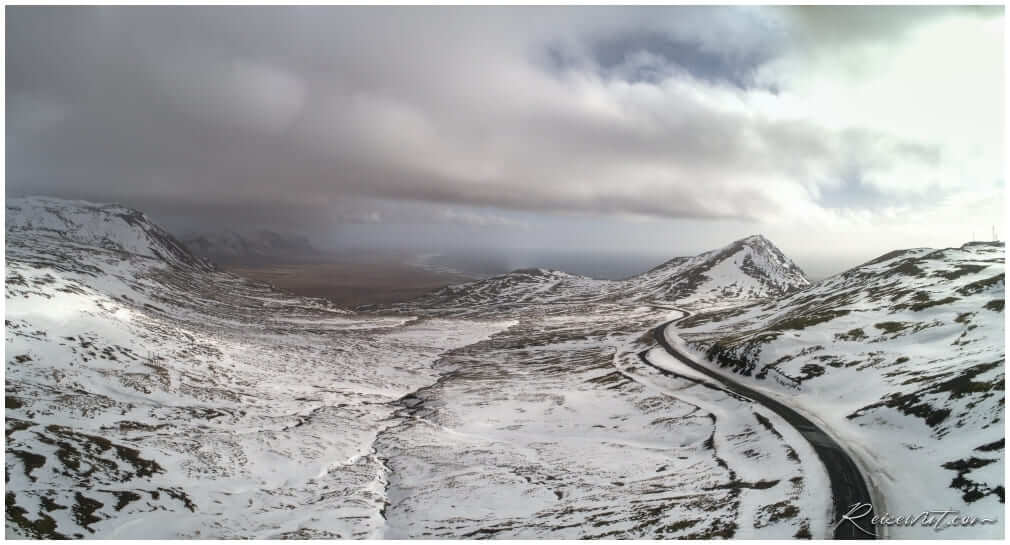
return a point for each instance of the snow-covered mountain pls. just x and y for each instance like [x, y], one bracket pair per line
[903, 357]
[108, 226]
[513, 290]
[260, 245]
[747, 269]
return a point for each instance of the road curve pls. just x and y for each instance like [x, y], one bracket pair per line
[848, 488]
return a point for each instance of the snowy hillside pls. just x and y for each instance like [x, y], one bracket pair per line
[904, 358]
[148, 396]
[107, 226]
[515, 290]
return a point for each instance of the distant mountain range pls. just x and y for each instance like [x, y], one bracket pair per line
[749, 268]
[259, 246]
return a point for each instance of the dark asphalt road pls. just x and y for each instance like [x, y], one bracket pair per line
[848, 488]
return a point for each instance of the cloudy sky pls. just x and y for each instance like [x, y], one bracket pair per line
[839, 133]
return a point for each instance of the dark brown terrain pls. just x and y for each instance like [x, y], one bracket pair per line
[363, 281]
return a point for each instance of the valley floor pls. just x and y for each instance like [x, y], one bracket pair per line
[555, 428]
[367, 280]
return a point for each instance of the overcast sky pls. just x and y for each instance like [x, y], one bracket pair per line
[839, 133]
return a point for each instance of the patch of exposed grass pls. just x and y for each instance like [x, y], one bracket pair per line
[30, 460]
[680, 525]
[851, 335]
[972, 490]
[888, 256]
[16, 425]
[42, 528]
[803, 532]
[989, 447]
[811, 370]
[957, 387]
[775, 512]
[74, 449]
[979, 285]
[50, 505]
[802, 322]
[891, 327]
[960, 270]
[721, 528]
[926, 304]
[123, 498]
[84, 510]
[908, 267]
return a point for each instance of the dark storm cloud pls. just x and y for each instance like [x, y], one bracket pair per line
[253, 113]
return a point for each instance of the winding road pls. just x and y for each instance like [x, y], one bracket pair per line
[848, 488]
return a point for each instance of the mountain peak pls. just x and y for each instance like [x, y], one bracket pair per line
[751, 267]
[759, 242]
[755, 239]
